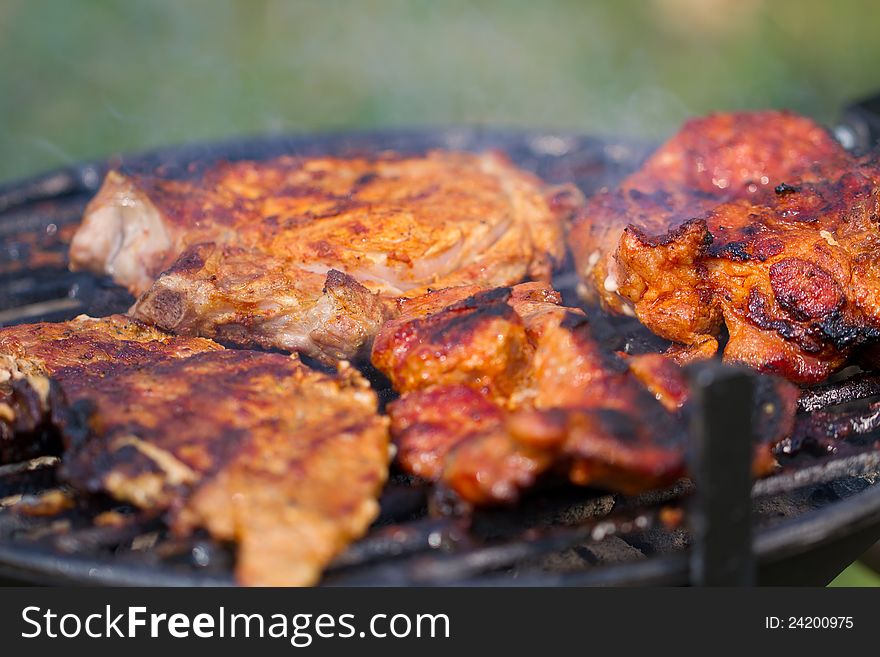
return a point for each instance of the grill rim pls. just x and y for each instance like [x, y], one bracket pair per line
[787, 539]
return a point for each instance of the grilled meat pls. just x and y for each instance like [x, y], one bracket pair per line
[774, 407]
[759, 221]
[21, 423]
[465, 335]
[537, 394]
[501, 386]
[249, 445]
[246, 298]
[31, 353]
[49, 349]
[309, 254]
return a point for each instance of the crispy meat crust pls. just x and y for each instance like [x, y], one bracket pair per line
[395, 225]
[259, 446]
[118, 341]
[549, 399]
[252, 446]
[759, 221]
[538, 394]
[247, 299]
[774, 406]
[31, 353]
[463, 336]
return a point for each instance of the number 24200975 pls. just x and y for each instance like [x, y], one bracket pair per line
[809, 622]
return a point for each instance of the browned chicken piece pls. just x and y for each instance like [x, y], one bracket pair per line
[427, 423]
[547, 397]
[662, 376]
[759, 221]
[467, 335]
[121, 342]
[310, 254]
[30, 353]
[553, 402]
[251, 446]
[259, 449]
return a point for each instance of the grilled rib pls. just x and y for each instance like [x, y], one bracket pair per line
[310, 255]
[759, 221]
[251, 446]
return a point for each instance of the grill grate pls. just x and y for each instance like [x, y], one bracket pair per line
[556, 536]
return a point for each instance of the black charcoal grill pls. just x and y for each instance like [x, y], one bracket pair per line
[800, 526]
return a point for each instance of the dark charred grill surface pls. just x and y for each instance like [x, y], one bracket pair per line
[553, 536]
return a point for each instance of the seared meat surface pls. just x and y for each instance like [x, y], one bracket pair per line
[31, 353]
[774, 407]
[466, 335]
[537, 394]
[251, 446]
[757, 221]
[47, 348]
[310, 255]
[245, 298]
[257, 448]
[501, 386]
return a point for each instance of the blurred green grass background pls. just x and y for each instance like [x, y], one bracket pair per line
[89, 78]
[83, 79]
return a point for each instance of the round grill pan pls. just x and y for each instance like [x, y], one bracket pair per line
[810, 521]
